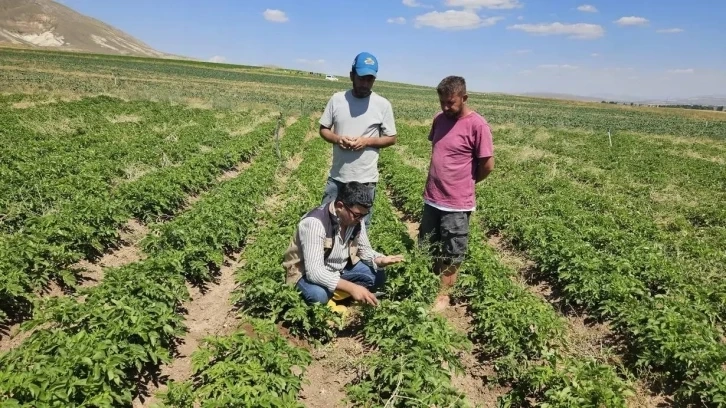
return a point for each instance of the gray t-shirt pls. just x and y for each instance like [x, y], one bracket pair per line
[355, 117]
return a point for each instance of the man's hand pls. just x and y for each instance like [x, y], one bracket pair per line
[343, 142]
[333, 138]
[383, 261]
[361, 294]
[357, 143]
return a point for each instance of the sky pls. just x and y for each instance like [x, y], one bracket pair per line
[621, 48]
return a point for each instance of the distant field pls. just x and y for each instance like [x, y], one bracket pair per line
[144, 205]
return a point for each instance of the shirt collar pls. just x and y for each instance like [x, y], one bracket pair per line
[333, 214]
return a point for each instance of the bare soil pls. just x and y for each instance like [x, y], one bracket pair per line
[585, 336]
[476, 382]
[14, 337]
[89, 274]
[209, 313]
[125, 119]
[334, 366]
[234, 172]
[131, 234]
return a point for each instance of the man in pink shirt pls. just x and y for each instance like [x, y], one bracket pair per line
[462, 155]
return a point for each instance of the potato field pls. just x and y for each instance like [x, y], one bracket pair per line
[145, 206]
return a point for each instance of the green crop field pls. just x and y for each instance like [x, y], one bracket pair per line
[145, 206]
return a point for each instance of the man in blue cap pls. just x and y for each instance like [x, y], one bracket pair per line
[358, 122]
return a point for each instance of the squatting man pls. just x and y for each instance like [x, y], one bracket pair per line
[330, 257]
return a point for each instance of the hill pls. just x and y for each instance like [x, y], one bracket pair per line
[49, 24]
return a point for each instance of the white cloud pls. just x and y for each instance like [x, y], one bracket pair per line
[555, 66]
[681, 71]
[396, 20]
[490, 4]
[455, 20]
[594, 54]
[670, 31]
[587, 8]
[631, 21]
[522, 52]
[217, 58]
[520, 18]
[276, 16]
[414, 3]
[580, 30]
[310, 62]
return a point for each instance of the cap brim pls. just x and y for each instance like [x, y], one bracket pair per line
[366, 71]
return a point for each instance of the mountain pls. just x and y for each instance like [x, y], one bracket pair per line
[49, 24]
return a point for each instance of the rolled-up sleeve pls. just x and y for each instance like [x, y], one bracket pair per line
[312, 244]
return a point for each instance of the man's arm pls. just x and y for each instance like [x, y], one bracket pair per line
[433, 127]
[330, 136]
[485, 165]
[312, 237]
[484, 151]
[326, 124]
[365, 251]
[377, 142]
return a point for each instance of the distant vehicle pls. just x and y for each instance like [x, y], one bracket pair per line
[331, 77]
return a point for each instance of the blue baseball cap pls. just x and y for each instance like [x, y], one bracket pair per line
[365, 64]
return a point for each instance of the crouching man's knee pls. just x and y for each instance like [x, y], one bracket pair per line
[313, 293]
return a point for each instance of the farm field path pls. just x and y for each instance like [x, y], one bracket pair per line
[90, 273]
[474, 383]
[209, 312]
[576, 340]
[585, 336]
[333, 367]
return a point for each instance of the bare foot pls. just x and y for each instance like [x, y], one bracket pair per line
[441, 303]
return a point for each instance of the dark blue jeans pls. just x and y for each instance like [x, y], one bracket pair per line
[360, 274]
[331, 192]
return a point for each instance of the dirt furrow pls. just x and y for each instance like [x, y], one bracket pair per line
[474, 382]
[585, 336]
[131, 234]
[210, 310]
[334, 366]
[89, 274]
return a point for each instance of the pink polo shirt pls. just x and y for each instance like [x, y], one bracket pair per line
[456, 147]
